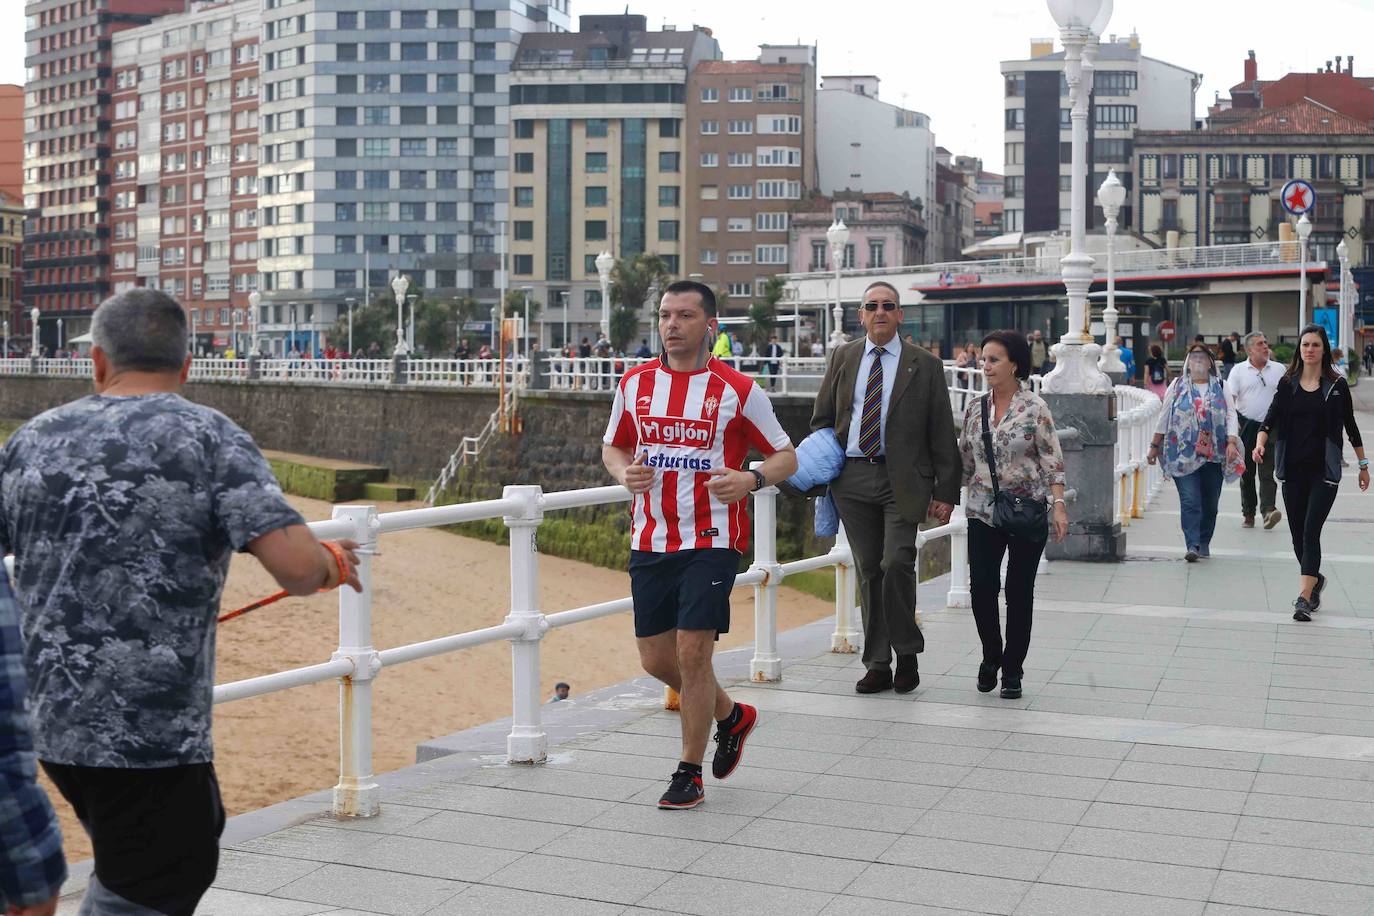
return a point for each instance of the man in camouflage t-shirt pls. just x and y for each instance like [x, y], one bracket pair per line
[122, 510]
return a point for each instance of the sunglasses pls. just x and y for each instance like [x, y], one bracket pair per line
[873, 306]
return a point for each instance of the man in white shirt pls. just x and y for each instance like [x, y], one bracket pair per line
[1251, 387]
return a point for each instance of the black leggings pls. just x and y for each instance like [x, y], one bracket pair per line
[1308, 498]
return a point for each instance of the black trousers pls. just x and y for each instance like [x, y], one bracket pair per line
[1308, 498]
[986, 547]
[155, 833]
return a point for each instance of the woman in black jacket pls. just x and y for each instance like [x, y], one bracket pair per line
[1311, 408]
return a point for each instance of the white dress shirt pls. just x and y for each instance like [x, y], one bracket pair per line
[1251, 389]
[891, 357]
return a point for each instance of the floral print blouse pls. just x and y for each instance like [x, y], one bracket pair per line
[1026, 449]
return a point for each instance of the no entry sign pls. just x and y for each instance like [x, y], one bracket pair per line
[1167, 331]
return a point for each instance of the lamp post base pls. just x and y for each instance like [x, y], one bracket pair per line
[1076, 370]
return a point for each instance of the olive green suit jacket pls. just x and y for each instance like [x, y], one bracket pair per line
[921, 446]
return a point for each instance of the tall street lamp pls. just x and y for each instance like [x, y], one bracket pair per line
[34, 315]
[1075, 368]
[604, 262]
[1111, 196]
[6, 354]
[1304, 232]
[1345, 327]
[410, 320]
[563, 293]
[351, 302]
[838, 236]
[254, 298]
[398, 288]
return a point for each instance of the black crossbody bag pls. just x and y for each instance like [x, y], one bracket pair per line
[1018, 516]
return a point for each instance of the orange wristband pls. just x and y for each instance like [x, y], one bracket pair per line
[337, 552]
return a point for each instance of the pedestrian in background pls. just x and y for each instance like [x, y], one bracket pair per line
[1251, 387]
[1010, 446]
[1127, 359]
[1157, 371]
[1310, 411]
[1039, 352]
[1197, 440]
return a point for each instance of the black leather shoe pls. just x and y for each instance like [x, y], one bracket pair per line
[1011, 688]
[874, 681]
[908, 675]
[987, 677]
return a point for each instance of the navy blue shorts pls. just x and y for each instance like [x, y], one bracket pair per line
[684, 590]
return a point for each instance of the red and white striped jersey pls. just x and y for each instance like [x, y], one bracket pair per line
[687, 423]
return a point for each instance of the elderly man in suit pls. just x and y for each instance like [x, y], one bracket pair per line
[888, 403]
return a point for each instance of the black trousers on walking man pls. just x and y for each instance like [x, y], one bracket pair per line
[1267, 499]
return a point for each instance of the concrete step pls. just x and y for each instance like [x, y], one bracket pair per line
[388, 492]
[328, 479]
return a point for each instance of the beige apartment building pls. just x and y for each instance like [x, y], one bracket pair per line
[751, 156]
[597, 122]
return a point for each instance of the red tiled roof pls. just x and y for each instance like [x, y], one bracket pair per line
[746, 66]
[1351, 95]
[1302, 117]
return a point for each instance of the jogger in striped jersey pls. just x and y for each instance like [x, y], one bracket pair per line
[679, 432]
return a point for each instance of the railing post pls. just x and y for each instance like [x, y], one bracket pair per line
[846, 638]
[526, 742]
[959, 594]
[399, 369]
[767, 664]
[357, 795]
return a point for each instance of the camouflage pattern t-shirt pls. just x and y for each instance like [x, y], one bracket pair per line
[122, 513]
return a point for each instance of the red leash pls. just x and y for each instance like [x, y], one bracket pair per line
[334, 549]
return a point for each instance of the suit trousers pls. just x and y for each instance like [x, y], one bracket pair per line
[986, 547]
[884, 545]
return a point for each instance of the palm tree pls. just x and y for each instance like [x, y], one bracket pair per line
[763, 316]
[631, 282]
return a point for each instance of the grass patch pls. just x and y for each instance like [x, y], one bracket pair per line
[819, 583]
[7, 428]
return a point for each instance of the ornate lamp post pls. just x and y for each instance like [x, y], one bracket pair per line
[1345, 325]
[1111, 196]
[254, 298]
[1304, 232]
[604, 262]
[6, 354]
[838, 237]
[1075, 368]
[36, 352]
[399, 286]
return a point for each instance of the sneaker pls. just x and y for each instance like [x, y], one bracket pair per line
[685, 791]
[1302, 609]
[1316, 600]
[1205, 551]
[730, 743]
[1011, 688]
[1249, 522]
[1192, 555]
[1272, 518]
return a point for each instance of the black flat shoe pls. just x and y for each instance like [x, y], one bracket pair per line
[1011, 689]
[987, 677]
[1302, 609]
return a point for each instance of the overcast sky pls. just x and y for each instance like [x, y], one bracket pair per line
[941, 57]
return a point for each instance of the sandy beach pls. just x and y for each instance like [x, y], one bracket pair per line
[427, 583]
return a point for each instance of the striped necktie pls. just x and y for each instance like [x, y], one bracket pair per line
[871, 426]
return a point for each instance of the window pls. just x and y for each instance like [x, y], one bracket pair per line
[1168, 214]
[707, 256]
[594, 230]
[667, 230]
[708, 224]
[1013, 186]
[377, 114]
[1326, 168]
[710, 94]
[413, 244]
[448, 19]
[709, 160]
[377, 50]
[413, 114]
[740, 289]
[377, 146]
[345, 244]
[1114, 82]
[446, 178]
[1112, 150]
[414, 146]
[710, 127]
[1016, 85]
[818, 255]
[596, 128]
[377, 19]
[376, 243]
[414, 179]
[737, 224]
[524, 230]
[345, 279]
[669, 195]
[595, 196]
[740, 126]
[1114, 116]
[524, 129]
[412, 211]
[739, 257]
[414, 50]
[522, 264]
[877, 253]
[444, 211]
[779, 190]
[596, 162]
[346, 51]
[446, 50]
[779, 124]
[770, 254]
[1015, 119]
[524, 163]
[524, 197]
[345, 213]
[669, 162]
[1168, 166]
[669, 128]
[770, 222]
[773, 156]
[376, 178]
[591, 298]
[413, 19]
[741, 192]
[739, 159]
[741, 94]
[448, 146]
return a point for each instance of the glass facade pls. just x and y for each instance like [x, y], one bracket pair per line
[632, 155]
[558, 210]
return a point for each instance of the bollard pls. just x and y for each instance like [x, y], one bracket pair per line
[959, 594]
[847, 638]
[357, 794]
[527, 742]
[766, 664]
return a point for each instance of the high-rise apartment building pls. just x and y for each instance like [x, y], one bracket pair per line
[750, 156]
[383, 150]
[1130, 92]
[67, 152]
[183, 197]
[597, 158]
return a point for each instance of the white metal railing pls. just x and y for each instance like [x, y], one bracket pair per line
[1136, 480]
[466, 373]
[966, 382]
[316, 371]
[784, 375]
[209, 368]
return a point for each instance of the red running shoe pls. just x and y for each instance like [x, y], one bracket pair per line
[685, 791]
[730, 741]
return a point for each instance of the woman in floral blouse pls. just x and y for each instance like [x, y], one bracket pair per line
[1030, 465]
